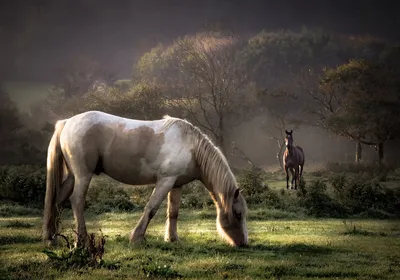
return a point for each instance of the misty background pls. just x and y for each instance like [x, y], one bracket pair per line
[39, 39]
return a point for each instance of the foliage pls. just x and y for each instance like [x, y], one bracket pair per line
[202, 78]
[195, 195]
[25, 184]
[317, 202]
[18, 143]
[81, 75]
[357, 194]
[105, 197]
[255, 191]
[77, 257]
[361, 101]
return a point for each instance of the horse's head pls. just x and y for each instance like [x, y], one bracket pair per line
[289, 139]
[231, 223]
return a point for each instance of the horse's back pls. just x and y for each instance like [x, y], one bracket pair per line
[300, 155]
[130, 151]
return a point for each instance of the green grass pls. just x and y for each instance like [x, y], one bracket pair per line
[283, 248]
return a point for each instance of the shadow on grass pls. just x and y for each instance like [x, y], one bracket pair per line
[216, 246]
[25, 270]
[22, 239]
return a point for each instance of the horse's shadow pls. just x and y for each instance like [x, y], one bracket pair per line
[186, 246]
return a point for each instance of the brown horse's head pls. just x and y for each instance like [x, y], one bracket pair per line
[231, 224]
[289, 139]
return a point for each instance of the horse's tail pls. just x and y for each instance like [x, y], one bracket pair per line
[55, 163]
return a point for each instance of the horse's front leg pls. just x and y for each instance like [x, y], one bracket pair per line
[287, 177]
[297, 178]
[174, 202]
[163, 186]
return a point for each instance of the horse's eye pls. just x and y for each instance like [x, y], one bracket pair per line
[239, 216]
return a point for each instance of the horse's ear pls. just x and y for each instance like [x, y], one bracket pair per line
[287, 132]
[236, 195]
[291, 131]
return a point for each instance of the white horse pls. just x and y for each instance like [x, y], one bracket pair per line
[169, 152]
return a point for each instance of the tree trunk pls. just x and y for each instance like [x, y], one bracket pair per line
[358, 152]
[279, 155]
[221, 140]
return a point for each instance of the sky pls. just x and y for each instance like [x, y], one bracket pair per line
[40, 36]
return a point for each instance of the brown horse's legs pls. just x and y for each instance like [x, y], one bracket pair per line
[287, 177]
[293, 177]
[301, 170]
[174, 202]
[296, 177]
[163, 186]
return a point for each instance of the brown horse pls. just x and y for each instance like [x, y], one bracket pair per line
[293, 160]
[169, 152]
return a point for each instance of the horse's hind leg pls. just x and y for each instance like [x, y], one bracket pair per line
[293, 177]
[174, 202]
[66, 189]
[301, 170]
[78, 205]
[163, 186]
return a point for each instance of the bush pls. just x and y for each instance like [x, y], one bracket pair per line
[70, 257]
[195, 195]
[106, 197]
[255, 191]
[25, 184]
[357, 194]
[317, 202]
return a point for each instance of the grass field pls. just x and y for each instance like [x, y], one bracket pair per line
[278, 249]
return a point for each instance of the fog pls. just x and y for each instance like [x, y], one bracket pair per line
[40, 37]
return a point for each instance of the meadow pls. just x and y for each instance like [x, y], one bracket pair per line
[342, 223]
[284, 243]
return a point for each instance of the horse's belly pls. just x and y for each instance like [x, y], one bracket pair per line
[133, 172]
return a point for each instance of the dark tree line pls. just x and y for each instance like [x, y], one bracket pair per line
[348, 86]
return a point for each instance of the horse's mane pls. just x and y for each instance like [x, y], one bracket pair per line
[213, 165]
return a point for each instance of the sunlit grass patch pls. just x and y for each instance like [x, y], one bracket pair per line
[278, 248]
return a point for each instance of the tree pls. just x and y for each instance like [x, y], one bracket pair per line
[82, 75]
[361, 101]
[202, 77]
[18, 143]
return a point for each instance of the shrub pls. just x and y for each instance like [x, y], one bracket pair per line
[357, 194]
[194, 195]
[140, 194]
[317, 202]
[25, 184]
[106, 197]
[70, 257]
[255, 191]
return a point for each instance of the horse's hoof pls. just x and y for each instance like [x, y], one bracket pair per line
[136, 239]
[171, 239]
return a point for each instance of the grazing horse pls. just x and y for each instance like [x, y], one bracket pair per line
[293, 160]
[169, 152]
